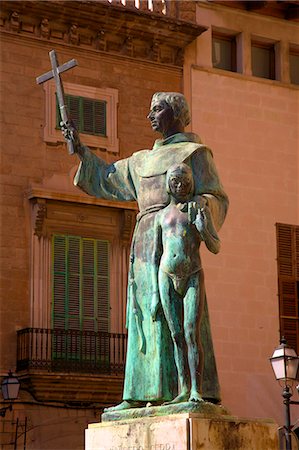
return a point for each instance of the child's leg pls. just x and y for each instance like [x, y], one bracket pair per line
[192, 313]
[172, 305]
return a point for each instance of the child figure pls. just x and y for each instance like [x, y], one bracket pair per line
[178, 276]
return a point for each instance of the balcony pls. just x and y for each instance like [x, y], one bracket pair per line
[70, 365]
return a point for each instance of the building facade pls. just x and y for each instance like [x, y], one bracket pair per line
[239, 75]
[64, 255]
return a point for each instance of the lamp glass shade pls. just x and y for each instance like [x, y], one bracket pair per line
[10, 387]
[285, 363]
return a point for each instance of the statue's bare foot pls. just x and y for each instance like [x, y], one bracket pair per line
[195, 397]
[124, 405]
[182, 397]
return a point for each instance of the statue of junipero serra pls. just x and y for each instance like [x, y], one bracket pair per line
[151, 372]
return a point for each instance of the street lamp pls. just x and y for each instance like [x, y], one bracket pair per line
[285, 364]
[10, 390]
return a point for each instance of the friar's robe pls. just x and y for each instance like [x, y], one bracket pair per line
[150, 373]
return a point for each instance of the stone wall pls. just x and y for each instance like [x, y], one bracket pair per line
[251, 124]
[29, 161]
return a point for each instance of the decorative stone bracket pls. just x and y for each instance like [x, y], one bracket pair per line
[39, 215]
[128, 223]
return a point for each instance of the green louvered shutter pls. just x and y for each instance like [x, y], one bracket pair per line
[80, 274]
[88, 115]
[288, 282]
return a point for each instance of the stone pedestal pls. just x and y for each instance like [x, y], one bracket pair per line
[184, 431]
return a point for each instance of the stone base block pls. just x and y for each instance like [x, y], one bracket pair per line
[185, 431]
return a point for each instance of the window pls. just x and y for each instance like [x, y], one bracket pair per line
[66, 226]
[80, 299]
[80, 278]
[263, 60]
[288, 282]
[224, 52]
[94, 111]
[294, 66]
[89, 115]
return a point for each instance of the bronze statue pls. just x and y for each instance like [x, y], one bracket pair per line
[154, 350]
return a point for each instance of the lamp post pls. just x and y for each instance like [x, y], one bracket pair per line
[285, 364]
[10, 390]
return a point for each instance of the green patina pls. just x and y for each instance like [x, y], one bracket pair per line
[151, 374]
[157, 369]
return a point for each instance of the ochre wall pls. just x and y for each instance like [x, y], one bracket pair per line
[251, 125]
[27, 160]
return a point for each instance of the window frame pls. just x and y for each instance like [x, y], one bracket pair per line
[293, 51]
[88, 218]
[52, 135]
[228, 37]
[287, 238]
[270, 46]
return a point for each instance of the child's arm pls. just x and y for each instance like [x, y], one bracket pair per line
[205, 226]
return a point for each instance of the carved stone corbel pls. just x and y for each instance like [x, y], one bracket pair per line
[128, 46]
[128, 223]
[44, 28]
[100, 41]
[74, 35]
[155, 51]
[15, 22]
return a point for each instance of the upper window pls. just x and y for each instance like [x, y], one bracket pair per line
[263, 60]
[288, 282]
[93, 110]
[88, 115]
[224, 52]
[294, 66]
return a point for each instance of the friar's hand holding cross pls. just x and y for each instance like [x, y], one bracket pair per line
[68, 127]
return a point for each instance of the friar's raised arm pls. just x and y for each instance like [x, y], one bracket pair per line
[108, 181]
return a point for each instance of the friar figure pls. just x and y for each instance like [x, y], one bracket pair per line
[178, 276]
[150, 374]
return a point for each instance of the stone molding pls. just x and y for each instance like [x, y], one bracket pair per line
[50, 215]
[110, 96]
[106, 27]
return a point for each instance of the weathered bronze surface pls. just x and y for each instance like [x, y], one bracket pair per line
[170, 357]
[55, 73]
[204, 408]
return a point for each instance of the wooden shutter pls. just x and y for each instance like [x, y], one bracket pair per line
[88, 115]
[73, 105]
[103, 307]
[80, 283]
[288, 282]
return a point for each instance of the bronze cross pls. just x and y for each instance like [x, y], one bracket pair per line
[55, 73]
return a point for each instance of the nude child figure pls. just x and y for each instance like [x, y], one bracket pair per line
[178, 276]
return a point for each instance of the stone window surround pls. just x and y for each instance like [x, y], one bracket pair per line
[54, 136]
[68, 214]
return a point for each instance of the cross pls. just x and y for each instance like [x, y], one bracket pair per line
[55, 73]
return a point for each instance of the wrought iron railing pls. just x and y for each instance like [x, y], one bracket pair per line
[71, 351]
